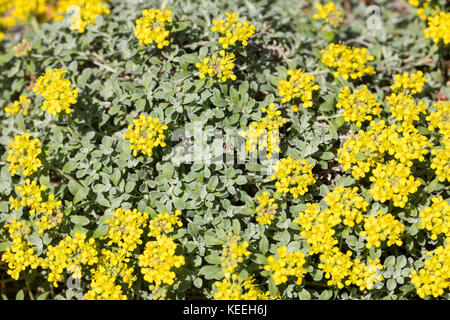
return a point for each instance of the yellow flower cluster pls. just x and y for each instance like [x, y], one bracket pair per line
[300, 85]
[30, 194]
[441, 162]
[232, 31]
[126, 227]
[152, 27]
[85, 12]
[158, 259]
[409, 83]
[220, 66]
[365, 275]
[436, 218]
[341, 270]
[440, 119]
[359, 106]
[51, 214]
[293, 176]
[439, 28]
[24, 154]
[163, 223]
[236, 288]
[71, 254]
[22, 49]
[329, 13]
[381, 227]
[423, 7]
[147, 134]
[267, 209]
[111, 266]
[337, 266]
[20, 255]
[31, 197]
[432, 279]
[409, 146]
[57, 92]
[345, 203]
[19, 11]
[364, 150]
[317, 228]
[393, 181]
[286, 265]
[368, 148]
[18, 106]
[403, 108]
[349, 62]
[264, 134]
[233, 253]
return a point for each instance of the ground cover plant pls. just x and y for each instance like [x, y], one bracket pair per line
[224, 149]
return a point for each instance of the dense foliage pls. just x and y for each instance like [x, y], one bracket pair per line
[224, 149]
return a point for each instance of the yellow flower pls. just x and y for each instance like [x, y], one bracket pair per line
[71, 253]
[436, 218]
[362, 151]
[158, 259]
[408, 146]
[440, 119]
[349, 62]
[409, 83]
[329, 13]
[317, 228]
[365, 275]
[293, 176]
[336, 266]
[232, 30]
[286, 265]
[20, 106]
[233, 253]
[20, 255]
[300, 85]
[381, 227]
[30, 194]
[221, 67]
[346, 203]
[267, 208]
[432, 279]
[152, 27]
[147, 134]
[126, 227]
[57, 92]
[359, 106]
[393, 181]
[24, 154]
[441, 162]
[85, 12]
[22, 49]
[19, 11]
[403, 108]
[111, 266]
[264, 134]
[236, 288]
[163, 223]
[439, 27]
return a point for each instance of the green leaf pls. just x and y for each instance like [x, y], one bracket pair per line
[391, 284]
[263, 245]
[304, 295]
[20, 295]
[211, 272]
[79, 220]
